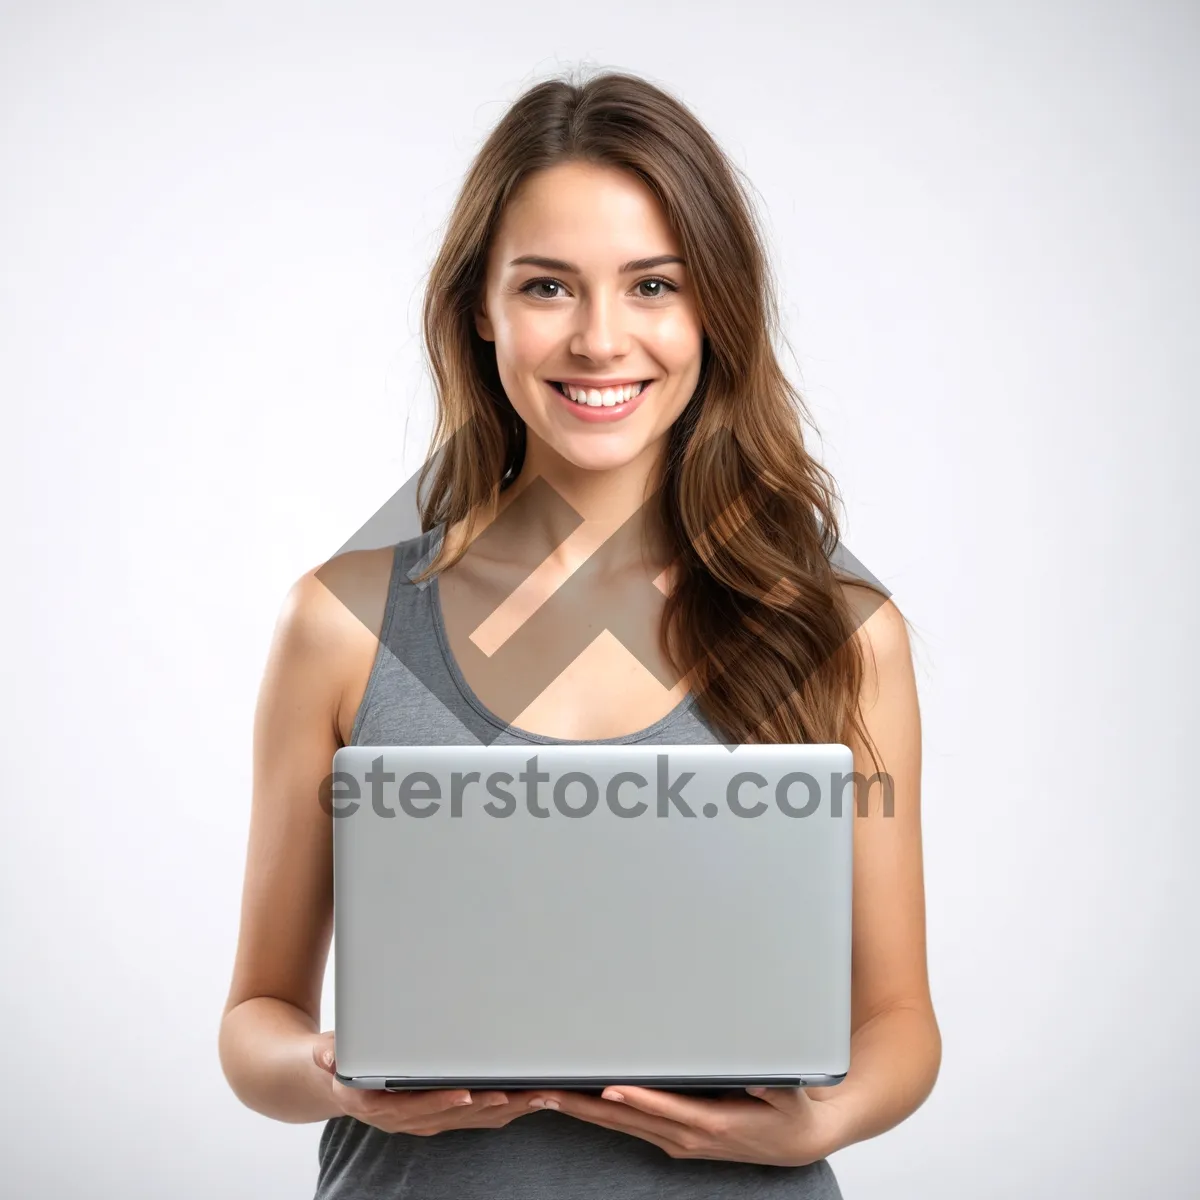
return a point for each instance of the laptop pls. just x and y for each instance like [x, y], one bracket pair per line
[574, 916]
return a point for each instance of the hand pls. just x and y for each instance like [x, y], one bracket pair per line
[785, 1128]
[419, 1112]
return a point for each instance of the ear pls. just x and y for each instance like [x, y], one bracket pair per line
[483, 326]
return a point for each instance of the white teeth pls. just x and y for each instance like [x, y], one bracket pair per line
[606, 398]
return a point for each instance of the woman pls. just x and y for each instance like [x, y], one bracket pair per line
[610, 408]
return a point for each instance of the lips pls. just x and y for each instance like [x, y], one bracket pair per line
[599, 413]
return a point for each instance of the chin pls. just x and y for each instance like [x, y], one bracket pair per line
[594, 458]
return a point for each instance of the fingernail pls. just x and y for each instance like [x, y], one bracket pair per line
[463, 1100]
[539, 1103]
[327, 1058]
[611, 1095]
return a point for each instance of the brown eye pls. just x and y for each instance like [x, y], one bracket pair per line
[664, 286]
[535, 283]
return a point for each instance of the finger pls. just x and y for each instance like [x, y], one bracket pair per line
[435, 1101]
[323, 1052]
[616, 1115]
[474, 1116]
[696, 1112]
[415, 1104]
[786, 1099]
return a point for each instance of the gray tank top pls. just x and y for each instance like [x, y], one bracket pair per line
[417, 695]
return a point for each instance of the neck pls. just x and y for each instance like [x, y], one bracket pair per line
[557, 516]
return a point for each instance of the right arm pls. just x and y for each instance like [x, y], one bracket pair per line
[272, 1015]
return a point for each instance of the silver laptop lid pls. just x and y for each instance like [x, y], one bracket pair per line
[566, 914]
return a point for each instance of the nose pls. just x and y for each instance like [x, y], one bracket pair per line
[601, 333]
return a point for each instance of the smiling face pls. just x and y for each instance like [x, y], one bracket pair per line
[585, 285]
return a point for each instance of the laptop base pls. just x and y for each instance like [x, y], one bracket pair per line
[719, 1084]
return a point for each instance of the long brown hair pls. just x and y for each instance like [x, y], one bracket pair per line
[759, 618]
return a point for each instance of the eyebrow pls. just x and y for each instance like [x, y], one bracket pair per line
[557, 264]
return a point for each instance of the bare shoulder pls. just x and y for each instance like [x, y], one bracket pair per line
[327, 632]
[879, 624]
[350, 589]
[330, 601]
[335, 612]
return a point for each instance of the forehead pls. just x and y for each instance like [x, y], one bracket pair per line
[583, 212]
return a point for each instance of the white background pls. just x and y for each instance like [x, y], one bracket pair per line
[215, 222]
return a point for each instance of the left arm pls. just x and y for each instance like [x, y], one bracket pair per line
[895, 1046]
